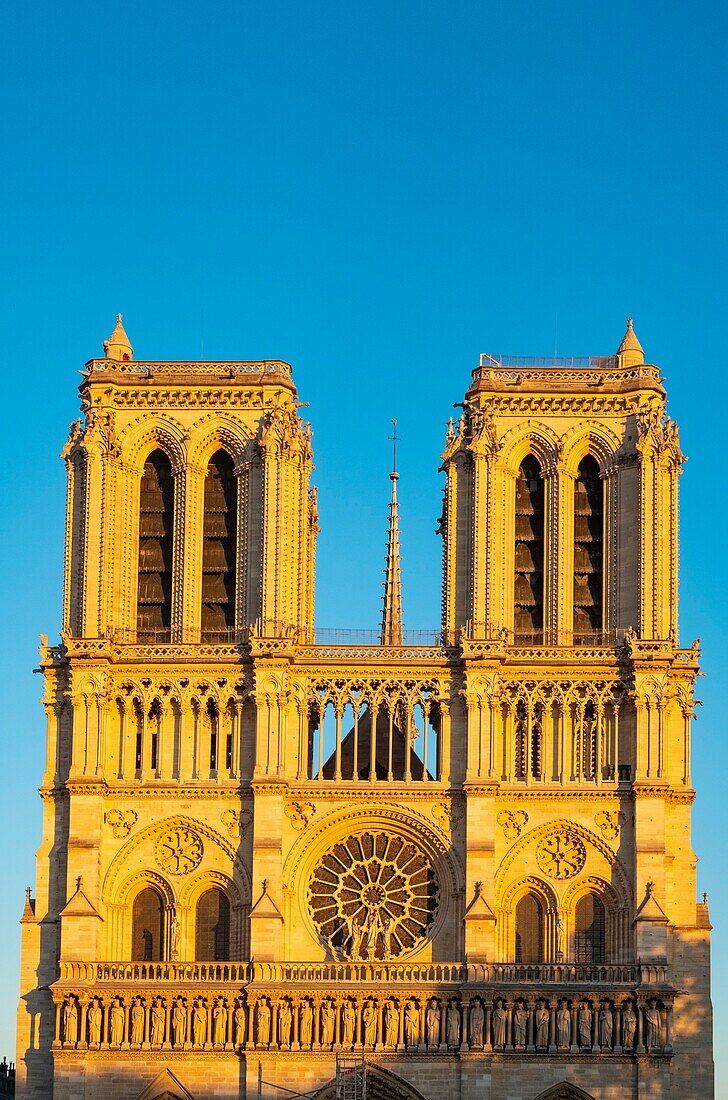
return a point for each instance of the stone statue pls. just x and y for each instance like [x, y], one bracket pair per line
[499, 1024]
[563, 1026]
[606, 1025]
[653, 1026]
[70, 1022]
[629, 1025]
[285, 1019]
[356, 935]
[391, 1024]
[520, 1019]
[432, 1022]
[453, 1024]
[239, 1018]
[542, 1025]
[263, 1023]
[94, 1023]
[306, 1024]
[156, 1022]
[199, 1023]
[219, 1023]
[476, 1024]
[411, 1025]
[116, 1024]
[137, 1023]
[349, 1017]
[585, 1023]
[328, 1017]
[174, 939]
[369, 1015]
[179, 1022]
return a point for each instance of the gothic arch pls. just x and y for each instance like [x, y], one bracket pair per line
[121, 865]
[589, 439]
[213, 433]
[535, 439]
[509, 873]
[564, 1091]
[144, 436]
[382, 1084]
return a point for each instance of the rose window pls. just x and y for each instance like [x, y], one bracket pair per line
[373, 896]
[561, 856]
[178, 851]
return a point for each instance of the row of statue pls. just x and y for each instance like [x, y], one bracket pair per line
[410, 1024]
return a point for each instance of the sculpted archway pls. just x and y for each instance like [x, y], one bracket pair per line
[564, 1091]
[381, 1085]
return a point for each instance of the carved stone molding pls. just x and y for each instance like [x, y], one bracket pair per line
[121, 822]
[512, 822]
[178, 850]
[562, 855]
[610, 822]
[300, 813]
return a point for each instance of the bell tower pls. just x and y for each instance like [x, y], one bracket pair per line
[189, 511]
[560, 507]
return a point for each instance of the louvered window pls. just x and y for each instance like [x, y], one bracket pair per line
[529, 552]
[156, 507]
[219, 549]
[588, 523]
[212, 939]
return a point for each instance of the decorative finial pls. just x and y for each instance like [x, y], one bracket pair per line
[478, 889]
[27, 893]
[79, 880]
[630, 350]
[265, 885]
[392, 633]
[117, 346]
[650, 889]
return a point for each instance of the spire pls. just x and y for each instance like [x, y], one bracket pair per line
[118, 346]
[630, 350]
[392, 608]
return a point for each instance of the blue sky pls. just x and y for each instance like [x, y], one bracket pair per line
[376, 193]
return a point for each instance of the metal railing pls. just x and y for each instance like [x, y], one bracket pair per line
[570, 362]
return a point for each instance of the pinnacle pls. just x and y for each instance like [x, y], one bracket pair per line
[118, 346]
[630, 349]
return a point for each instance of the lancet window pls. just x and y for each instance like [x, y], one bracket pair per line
[529, 552]
[212, 932]
[219, 546]
[588, 528]
[529, 930]
[156, 516]
[529, 741]
[147, 926]
[589, 930]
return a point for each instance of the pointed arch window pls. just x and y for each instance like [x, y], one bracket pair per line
[589, 928]
[147, 926]
[219, 548]
[529, 930]
[588, 527]
[156, 518]
[212, 936]
[529, 552]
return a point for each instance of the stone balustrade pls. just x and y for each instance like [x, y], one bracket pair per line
[362, 973]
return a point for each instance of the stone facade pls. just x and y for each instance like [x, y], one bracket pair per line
[467, 863]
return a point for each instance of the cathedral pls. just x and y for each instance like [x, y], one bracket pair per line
[276, 863]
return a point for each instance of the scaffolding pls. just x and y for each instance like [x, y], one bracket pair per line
[351, 1082]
